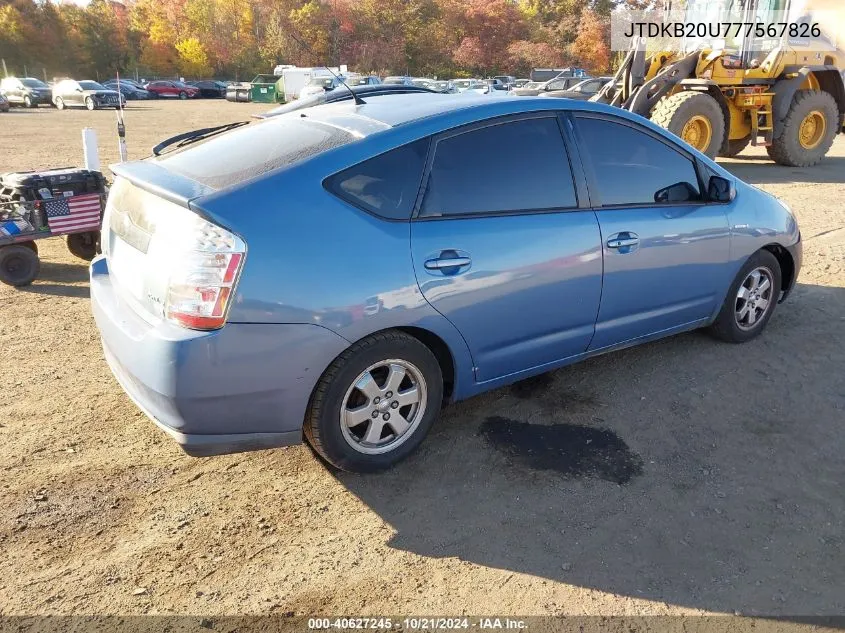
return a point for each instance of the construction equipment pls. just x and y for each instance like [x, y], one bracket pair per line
[720, 96]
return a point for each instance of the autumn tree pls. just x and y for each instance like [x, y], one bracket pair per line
[591, 48]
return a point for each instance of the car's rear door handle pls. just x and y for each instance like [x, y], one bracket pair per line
[622, 240]
[447, 262]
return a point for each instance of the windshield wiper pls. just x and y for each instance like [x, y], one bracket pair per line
[186, 138]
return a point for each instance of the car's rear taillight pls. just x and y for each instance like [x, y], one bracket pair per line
[199, 290]
[203, 276]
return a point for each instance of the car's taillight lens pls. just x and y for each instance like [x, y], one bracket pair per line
[200, 289]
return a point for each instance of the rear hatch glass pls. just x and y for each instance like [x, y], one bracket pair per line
[237, 156]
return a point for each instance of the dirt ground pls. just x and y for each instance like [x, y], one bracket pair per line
[699, 476]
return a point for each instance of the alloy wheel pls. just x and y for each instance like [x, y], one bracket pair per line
[754, 298]
[383, 406]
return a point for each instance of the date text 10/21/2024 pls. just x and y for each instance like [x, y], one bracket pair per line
[416, 624]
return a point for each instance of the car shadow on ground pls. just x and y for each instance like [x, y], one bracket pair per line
[686, 471]
[760, 171]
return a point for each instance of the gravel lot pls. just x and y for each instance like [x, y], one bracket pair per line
[698, 477]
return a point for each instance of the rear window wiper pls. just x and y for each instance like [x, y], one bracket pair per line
[186, 138]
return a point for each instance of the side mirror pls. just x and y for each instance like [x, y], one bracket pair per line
[679, 192]
[720, 189]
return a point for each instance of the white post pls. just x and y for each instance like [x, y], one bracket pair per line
[89, 149]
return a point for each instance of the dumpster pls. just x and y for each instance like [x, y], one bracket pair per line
[263, 89]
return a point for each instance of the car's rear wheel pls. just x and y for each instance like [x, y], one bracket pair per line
[89, 103]
[60, 103]
[751, 300]
[27, 101]
[19, 265]
[375, 403]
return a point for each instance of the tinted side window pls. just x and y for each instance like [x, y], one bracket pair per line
[514, 166]
[386, 185]
[630, 166]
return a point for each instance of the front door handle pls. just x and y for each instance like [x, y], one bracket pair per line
[447, 262]
[623, 240]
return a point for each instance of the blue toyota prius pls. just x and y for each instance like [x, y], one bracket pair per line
[340, 272]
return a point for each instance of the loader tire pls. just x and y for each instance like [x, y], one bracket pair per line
[735, 147]
[808, 131]
[694, 117]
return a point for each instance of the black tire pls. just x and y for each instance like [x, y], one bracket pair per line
[323, 419]
[787, 149]
[183, 95]
[673, 113]
[83, 245]
[89, 103]
[19, 265]
[726, 326]
[60, 103]
[735, 147]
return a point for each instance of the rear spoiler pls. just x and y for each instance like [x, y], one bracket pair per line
[152, 177]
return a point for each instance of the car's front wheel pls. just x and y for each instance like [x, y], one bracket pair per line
[375, 403]
[27, 101]
[183, 95]
[60, 103]
[89, 103]
[751, 299]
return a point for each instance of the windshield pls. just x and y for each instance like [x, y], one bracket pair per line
[33, 83]
[91, 85]
[394, 80]
[358, 81]
[531, 85]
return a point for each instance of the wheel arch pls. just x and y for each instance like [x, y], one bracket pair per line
[441, 352]
[829, 80]
[787, 265]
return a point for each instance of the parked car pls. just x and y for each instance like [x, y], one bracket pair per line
[507, 80]
[424, 82]
[210, 89]
[70, 93]
[561, 83]
[4, 103]
[344, 95]
[497, 84]
[363, 80]
[316, 85]
[445, 86]
[214, 327]
[399, 80]
[582, 91]
[519, 83]
[472, 85]
[128, 90]
[172, 89]
[25, 91]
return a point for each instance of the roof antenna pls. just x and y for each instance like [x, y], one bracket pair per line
[358, 100]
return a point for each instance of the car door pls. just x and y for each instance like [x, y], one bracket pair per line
[665, 249]
[505, 246]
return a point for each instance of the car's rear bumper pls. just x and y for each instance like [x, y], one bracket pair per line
[243, 387]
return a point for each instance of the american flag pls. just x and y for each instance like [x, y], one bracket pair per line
[73, 214]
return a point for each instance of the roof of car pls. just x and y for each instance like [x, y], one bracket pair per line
[399, 110]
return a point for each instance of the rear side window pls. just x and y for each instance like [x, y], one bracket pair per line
[242, 154]
[386, 185]
[631, 167]
[514, 166]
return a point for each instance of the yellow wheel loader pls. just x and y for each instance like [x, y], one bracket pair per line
[785, 93]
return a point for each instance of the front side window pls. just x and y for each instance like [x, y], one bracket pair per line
[386, 185]
[632, 167]
[480, 171]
